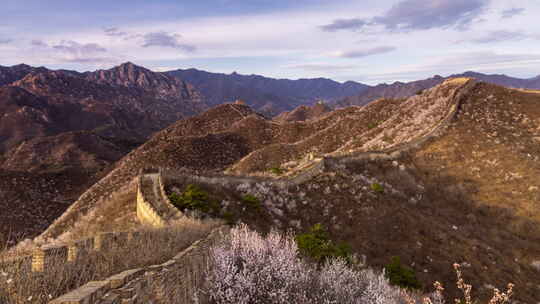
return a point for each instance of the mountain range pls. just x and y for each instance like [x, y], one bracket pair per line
[61, 130]
[266, 95]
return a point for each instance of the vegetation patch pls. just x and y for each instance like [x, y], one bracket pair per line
[317, 245]
[276, 170]
[195, 198]
[378, 188]
[401, 275]
[251, 201]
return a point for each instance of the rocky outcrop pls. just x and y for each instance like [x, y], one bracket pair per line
[304, 113]
[161, 85]
[16, 72]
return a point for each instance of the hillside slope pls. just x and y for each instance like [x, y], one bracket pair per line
[58, 126]
[303, 113]
[232, 137]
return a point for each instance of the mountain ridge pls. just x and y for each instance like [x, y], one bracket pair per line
[269, 95]
[406, 89]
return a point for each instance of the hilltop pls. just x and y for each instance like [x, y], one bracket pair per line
[303, 113]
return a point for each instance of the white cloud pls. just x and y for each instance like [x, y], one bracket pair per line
[320, 67]
[358, 53]
[290, 44]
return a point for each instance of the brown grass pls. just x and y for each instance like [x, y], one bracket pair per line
[153, 246]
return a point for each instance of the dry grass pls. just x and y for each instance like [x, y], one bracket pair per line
[153, 246]
[118, 212]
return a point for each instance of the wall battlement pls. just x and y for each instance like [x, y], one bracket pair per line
[50, 256]
[152, 283]
[153, 205]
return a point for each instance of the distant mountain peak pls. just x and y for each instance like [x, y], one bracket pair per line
[130, 64]
[129, 74]
[21, 65]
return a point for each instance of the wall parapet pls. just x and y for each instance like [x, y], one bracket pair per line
[319, 165]
[144, 285]
[153, 206]
[398, 150]
[47, 256]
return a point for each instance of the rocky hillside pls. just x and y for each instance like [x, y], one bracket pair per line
[16, 72]
[57, 126]
[303, 113]
[234, 138]
[266, 95]
[402, 90]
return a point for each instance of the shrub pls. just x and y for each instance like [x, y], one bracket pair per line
[194, 198]
[276, 170]
[419, 92]
[249, 268]
[401, 275]
[372, 125]
[229, 218]
[251, 201]
[317, 245]
[376, 187]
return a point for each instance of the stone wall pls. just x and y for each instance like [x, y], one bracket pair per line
[146, 213]
[153, 205]
[398, 150]
[48, 256]
[175, 281]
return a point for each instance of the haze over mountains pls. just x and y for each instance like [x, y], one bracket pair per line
[267, 95]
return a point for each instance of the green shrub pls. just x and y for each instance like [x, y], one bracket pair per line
[251, 201]
[194, 198]
[376, 187]
[372, 125]
[317, 245]
[419, 92]
[229, 218]
[276, 170]
[401, 275]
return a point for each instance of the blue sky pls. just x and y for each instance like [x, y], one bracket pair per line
[370, 41]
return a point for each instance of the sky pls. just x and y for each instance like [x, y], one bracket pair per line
[369, 41]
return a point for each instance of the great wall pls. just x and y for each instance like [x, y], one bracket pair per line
[187, 268]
